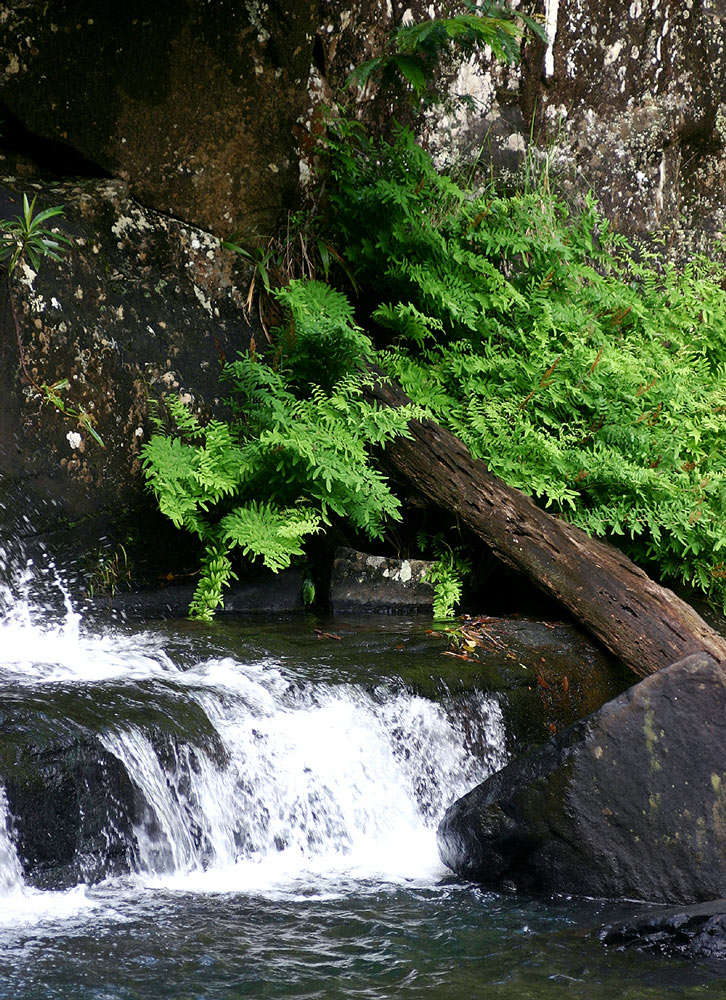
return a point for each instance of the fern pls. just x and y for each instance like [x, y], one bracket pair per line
[588, 376]
[415, 50]
[447, 575]
[295, 453]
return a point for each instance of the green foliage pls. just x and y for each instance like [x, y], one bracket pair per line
[587, 375]
[447, 575]
[27, 236]
[321, 341]
[416, 49]
[294, 453]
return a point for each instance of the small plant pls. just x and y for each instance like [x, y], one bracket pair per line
[112, 570]
[447, 575]
[27, 236]
[416, 49]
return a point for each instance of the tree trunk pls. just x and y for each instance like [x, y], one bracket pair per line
[644, 624]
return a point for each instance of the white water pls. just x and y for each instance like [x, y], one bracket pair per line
[309, 787]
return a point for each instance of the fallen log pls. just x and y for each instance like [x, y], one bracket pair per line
[647, 626]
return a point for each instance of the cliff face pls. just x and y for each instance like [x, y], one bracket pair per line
[207, 109]
[198, 120]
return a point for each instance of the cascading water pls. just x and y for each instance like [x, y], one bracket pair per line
[323, 778]
[11, 874]
[295, 782]
[245, 812]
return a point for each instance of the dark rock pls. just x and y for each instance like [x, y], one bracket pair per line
[362, 582]
[627, 803]
[274, 592]
[73, 809]
[73, 806]
[692, 932]
[195, 104]
[142, 305]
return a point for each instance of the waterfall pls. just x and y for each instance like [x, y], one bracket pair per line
[11, 875]
[294, 781]
[330, 778]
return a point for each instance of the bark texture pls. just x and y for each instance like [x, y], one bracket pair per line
[647, 626]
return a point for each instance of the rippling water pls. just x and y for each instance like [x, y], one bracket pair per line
[286, 849]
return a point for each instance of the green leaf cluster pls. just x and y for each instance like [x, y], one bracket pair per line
[447, 574]
[27, 236]
[586, 373]
[416, 49]
[295, 452]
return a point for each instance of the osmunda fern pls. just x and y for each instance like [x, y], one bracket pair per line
[295, 451]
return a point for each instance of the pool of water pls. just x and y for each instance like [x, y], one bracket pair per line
[297, 857]
[334, 938]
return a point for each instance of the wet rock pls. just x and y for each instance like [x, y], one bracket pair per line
[362, 582]
[141, 306]
[73, 805]
[692, 932]
[73, 810]
[627, 803]
[271, 593]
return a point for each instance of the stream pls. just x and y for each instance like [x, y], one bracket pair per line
[288, 789]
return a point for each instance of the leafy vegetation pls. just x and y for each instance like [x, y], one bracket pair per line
[27, 236]
[447, 575]
[295, 452]
[585, 372]
[587, 375]
[415, 49]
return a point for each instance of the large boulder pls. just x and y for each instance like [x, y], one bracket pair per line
[140, 306]
[629, 802]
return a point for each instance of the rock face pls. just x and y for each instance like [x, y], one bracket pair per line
[628, 100]
[194, 104]
[630, 802]
[693, 932]
[209, 110]
[141, 306]
[634, 98]
[362, 582]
